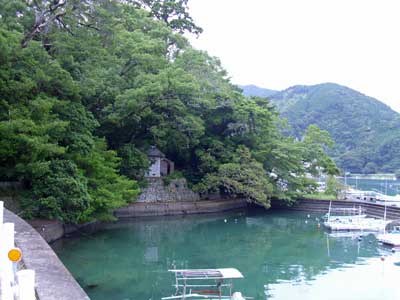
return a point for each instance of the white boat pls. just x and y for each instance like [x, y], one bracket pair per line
[352, 219]
[214, 282]
[391, 238]
[365, 224]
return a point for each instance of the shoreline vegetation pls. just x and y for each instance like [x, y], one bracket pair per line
[87, 87]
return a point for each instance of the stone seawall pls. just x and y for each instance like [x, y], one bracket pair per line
[53, 281]
[142, 209]
[322, 206]
[176, 190]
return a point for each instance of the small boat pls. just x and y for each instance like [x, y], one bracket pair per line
[340, 216]
[352, 219]
[366, 224]
[391, 238]
[344, 214]
[206, 284]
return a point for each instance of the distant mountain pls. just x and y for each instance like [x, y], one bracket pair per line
[366, 131]
[253, 90]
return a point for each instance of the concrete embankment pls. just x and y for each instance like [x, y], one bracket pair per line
[53, 280]
[143, 209]
[54, 230]
[322, 206]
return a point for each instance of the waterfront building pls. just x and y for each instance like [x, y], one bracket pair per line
[160, 165]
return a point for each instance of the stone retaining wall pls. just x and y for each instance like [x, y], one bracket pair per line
[53, 281]
[176, 190]
[142, 209]
[322, 206]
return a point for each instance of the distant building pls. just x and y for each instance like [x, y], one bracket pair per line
[160, 165]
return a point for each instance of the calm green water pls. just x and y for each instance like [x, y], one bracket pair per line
[280, 254]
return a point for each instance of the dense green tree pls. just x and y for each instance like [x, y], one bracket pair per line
[173, 13]
[333, 186]
[59, 191]
[95, 83]
[47, 139]
[108, 189]
[243, 177]
[134, 162]
[316, 143]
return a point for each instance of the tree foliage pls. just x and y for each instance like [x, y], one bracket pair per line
[87, 87]
[48, 142]
[243, 177]
[174, 13]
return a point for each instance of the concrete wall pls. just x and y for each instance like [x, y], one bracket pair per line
[322, 206]
[53, 280]
[50, 230]
[141, 209]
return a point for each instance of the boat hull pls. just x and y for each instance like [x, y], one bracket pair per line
[390, 239]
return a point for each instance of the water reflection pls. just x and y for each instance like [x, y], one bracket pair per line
[277, 252]
[373, 279]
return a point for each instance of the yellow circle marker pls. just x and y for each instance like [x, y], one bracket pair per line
[15, 255]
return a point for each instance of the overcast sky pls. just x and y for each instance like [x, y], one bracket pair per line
[279, 43]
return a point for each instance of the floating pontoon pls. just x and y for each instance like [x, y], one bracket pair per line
[205, 284]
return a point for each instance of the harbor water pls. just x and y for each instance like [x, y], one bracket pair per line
[387, 187]
[283, 255]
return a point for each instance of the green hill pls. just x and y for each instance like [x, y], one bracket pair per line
[366, 131]
[253, 90]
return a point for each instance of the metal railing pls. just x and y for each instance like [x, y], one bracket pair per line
[15, 283]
